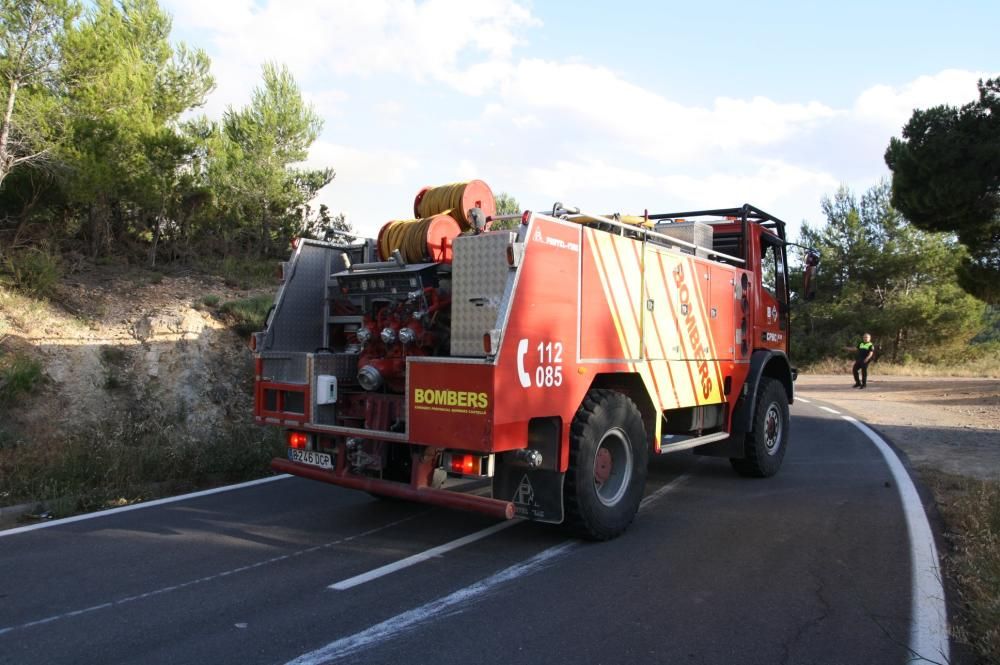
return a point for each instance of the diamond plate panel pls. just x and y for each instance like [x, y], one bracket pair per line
[284, 367]
[344, 366]
[482, 282]
[696, 233]
[297, 320]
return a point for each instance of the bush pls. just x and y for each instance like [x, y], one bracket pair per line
[35, 271]
[246, 273]
[134, 458]
[19, 375]
[210, 300]
[248, 315]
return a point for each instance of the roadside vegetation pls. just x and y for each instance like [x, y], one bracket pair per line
[971, 512]
[20, 375]
[247, 315]
[137, 457]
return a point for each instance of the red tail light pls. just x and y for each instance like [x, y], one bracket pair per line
[466, 464]
[298, 440]
[525, 216]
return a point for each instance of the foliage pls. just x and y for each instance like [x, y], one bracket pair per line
[334, 228]
[129, 172]
[244, 272]
[880, 274]
[19, 375]
[248, 315]
[34, 270]
[506, 205]
[31, 34]
[259, 192]
[946, 177]
[132, 458]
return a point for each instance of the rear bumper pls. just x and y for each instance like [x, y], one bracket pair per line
[501, 510]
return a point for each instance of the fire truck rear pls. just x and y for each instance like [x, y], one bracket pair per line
[549, 361]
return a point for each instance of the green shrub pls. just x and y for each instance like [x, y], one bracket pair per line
[19, 375]
[136, 457]
[247, 315]
[246, 273]
[210, 300]
[35, 271]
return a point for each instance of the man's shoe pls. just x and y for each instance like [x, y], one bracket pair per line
[863, 386]
[857, 385]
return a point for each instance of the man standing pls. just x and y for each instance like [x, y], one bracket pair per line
[866, 351]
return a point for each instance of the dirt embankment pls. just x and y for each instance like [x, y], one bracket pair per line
[120, 345]
[942, 423]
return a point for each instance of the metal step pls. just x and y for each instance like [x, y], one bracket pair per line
[692, 442]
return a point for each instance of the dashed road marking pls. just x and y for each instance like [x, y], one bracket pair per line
[349, 646]
[202, 580]
[420, 557]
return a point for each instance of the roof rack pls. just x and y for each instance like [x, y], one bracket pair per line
[746, 213]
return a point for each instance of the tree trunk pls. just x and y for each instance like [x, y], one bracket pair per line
[897, 344]
[6, 158]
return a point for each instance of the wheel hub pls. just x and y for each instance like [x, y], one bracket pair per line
[772, 429]
[613, 467]
[602, 466]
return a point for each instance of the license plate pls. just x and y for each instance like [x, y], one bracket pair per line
[311, 457]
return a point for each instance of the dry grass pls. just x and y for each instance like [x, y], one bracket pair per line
[137, 457]
[986, 366]
[971, 511]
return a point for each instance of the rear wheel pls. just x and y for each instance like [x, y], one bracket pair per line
[607, 465]
[765, 444]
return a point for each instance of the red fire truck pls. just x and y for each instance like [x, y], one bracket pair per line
[550, 360]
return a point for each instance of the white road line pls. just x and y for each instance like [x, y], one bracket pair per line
[826, 408]
[390, 568]
[390, 628]
[207, 578]
[929, 623]
[349, 646]
[138, 506]
[802, 399]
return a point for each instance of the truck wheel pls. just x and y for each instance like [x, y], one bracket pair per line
[607, 465]
[765, 444]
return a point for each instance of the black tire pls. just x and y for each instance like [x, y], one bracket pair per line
[765, 444]
[607, 424]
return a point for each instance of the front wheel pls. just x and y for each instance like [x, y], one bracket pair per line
[765, 444]
[607, 465]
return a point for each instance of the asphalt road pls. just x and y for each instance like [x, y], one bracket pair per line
[812, 566]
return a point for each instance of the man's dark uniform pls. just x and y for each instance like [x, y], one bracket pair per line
[861, 364]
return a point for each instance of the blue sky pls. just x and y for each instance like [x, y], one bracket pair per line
[613, 107]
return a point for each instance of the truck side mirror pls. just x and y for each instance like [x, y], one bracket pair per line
[809, 276]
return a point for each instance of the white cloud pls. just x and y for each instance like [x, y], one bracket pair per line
[326, 102]
[543, 129]
[607, 105]
[358, 166]
[436, 39]
[892, 106]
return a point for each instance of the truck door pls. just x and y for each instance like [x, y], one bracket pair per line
[771, 325]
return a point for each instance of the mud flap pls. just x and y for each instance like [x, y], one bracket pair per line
[537, 494]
